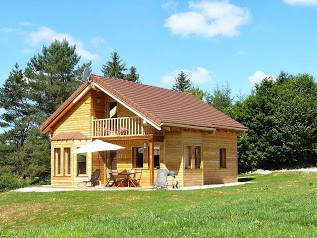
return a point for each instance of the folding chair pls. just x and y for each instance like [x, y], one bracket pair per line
[94, 178]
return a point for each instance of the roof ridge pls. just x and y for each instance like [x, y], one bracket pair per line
[147, 85]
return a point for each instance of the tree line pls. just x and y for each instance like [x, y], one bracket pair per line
[280, 114]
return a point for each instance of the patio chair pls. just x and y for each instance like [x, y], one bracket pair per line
[137, 178]
[108, 177]
[161, 180]
[93, 179]
[117, 181]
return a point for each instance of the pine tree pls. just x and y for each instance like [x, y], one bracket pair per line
[182, 83]
[20, 114]
[132, 76]
[114, 68]
[52, 75]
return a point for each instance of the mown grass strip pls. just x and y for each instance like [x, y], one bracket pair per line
[275, 205]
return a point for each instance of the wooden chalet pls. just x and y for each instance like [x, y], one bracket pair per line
[159, 128]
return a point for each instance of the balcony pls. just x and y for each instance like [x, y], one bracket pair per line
[123, 126]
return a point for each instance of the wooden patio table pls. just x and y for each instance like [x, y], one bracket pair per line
[128, 179]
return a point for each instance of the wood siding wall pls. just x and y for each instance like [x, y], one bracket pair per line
[210, 171]
[213, 174]
[77, 119]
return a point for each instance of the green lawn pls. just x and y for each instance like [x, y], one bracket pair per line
[275, 205]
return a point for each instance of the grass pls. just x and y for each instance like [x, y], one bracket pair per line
[275, 205]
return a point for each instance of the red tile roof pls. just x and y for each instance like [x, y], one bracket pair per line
[165, 106]
[159, 105]
[74, 135]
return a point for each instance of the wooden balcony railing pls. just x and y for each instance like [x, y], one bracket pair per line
[123, 126]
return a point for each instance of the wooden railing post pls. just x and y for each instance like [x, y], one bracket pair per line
[93, 131]
[151, 160]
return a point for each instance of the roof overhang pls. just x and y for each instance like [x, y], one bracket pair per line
[96, 85]
[239, 130]
[188, 126]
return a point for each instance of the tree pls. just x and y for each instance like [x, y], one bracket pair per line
[114, 68]
[281, 117]
[197, 92]
[221, 97]
[132, 76]
[28, 98]
[20, 114]
[182, 83]
[52, 75]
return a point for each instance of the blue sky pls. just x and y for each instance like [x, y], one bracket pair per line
[214, 42]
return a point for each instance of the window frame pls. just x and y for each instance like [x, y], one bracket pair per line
[197, 157]
[135, 151]
[78, 169]
[222, 158]
[187, 156]
[57, 162]
[157, 160]
[67, 161]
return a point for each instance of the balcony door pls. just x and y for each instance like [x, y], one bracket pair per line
[111, 110]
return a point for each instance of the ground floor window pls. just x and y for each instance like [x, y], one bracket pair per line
[67, 161]
[81, 164]
[187, 156]
[137, 157]
[112, 159]
[157, 157]
[197, 156]
[57, 161]
[222, 158]
[192, 157]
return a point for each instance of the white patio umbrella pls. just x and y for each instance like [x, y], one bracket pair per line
[97, 145]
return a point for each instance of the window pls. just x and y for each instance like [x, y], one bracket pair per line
[112, 159]
[137, 159]
[197, 154]
[157, 157]
[81, 164]
[223, 158]
[187, 157]
[111, 109]
[57, 161]
[67, 161]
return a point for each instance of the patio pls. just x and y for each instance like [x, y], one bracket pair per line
[49, 188]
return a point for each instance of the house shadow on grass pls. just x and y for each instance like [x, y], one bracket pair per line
[245, 179]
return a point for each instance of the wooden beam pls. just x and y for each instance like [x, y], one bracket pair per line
[151, 160]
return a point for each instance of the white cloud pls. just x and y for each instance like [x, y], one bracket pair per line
[197, 76]
[209, 19]
[97, 41]
[47, 35]
[170, 5]
[258, 76]
[302, 2]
